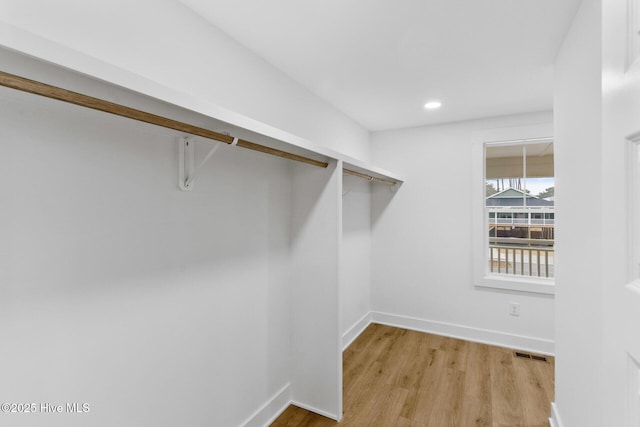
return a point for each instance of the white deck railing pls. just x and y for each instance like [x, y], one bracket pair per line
[522, 260]
[524, 221]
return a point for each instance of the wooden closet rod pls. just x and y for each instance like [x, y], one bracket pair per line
[368, 177]
[53, 92]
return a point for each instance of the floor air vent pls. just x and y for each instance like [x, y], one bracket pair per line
[522, 355]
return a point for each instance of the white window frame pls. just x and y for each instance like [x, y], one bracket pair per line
[480, 238]
[633, 222]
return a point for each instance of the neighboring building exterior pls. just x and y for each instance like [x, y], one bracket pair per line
[513, 214]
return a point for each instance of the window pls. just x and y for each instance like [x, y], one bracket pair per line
[514, 209]
[519, 192]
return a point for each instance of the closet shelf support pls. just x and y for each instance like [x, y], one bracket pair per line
[187, 171]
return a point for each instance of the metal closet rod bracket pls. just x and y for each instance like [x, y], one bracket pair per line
[187, 169]
[369, 178]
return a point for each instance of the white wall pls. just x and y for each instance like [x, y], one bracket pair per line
[577, 117]
[164, 41]
[355, 267]
[421, 256]
[155, 306]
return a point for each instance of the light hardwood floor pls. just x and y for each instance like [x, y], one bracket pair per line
[401, 378]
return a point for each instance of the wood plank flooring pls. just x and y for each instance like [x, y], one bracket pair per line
[401, 378]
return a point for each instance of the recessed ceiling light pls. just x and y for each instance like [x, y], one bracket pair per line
[433, 105]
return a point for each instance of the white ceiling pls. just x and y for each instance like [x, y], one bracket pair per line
[379, 61]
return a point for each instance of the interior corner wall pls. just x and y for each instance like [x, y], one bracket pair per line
[578, 151]
[355, 266]
[421, 241]
[164, 41]
[155, 307]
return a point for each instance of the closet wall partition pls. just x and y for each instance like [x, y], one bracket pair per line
[315, 306]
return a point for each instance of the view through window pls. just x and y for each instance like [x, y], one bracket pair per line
[519, 208]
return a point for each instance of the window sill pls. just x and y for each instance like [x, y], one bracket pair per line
[521, 284]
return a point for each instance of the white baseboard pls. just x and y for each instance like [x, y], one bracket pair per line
[355, 331]
[501, 339]
[271, 410]
[555, 420]
[317, 411]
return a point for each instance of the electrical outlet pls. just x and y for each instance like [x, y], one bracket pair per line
[514, 309]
